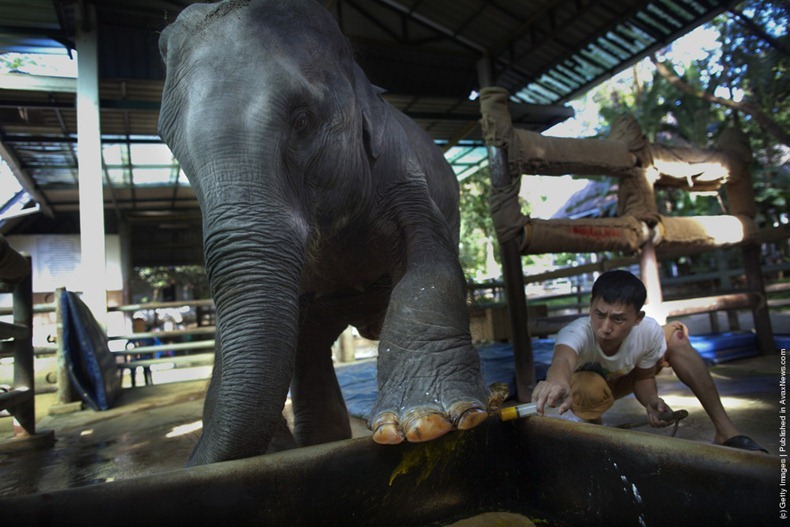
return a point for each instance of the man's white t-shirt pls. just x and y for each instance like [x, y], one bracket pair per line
[643, 347]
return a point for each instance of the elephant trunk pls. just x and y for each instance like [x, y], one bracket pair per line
[253, 261]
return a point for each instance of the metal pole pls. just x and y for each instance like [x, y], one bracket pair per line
[648, 265]
[91, 194]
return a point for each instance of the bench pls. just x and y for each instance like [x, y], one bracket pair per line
[132, 365]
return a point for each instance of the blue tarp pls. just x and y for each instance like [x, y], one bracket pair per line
[358, 381]
[723, 347]
[89, 361]
[782, 342]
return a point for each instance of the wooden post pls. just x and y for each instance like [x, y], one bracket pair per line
[756, 284]
[67, 401]
[512, 271]
[64, 384]
[24, 378]
[347, 351]
[513, 275]
[740, 197]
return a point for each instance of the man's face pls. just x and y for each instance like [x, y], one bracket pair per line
[612, 323]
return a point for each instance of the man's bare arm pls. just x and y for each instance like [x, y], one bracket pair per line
[556, 389]
[646, 392]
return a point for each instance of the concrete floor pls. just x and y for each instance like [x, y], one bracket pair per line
[153, 428]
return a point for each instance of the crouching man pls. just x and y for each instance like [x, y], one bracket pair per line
[618, 351]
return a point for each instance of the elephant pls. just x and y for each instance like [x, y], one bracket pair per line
[322, 207]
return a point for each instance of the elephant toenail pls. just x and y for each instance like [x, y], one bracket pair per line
[388, 434]
[427, 427]
[471, 418]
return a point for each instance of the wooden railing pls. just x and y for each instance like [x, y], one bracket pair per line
[18, 399]
[552, 313]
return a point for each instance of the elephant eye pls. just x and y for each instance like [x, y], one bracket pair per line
[301, 121]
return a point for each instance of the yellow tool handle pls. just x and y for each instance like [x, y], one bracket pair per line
[517, 412]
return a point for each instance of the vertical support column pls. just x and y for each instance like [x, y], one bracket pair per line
[724, 283]
[125, 235]
[513, 275]
[740, 198]
[648, 264]
[756, 284]
[24, 378]
[512, 270]
[91, 192]
[347, 348]
[64, 383]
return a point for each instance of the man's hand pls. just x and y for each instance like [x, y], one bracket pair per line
[556, 389]
[655, 408]
[552, 393]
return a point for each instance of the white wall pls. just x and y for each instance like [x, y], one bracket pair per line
[56, 260]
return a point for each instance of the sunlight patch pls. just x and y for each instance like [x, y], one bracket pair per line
[185, 429]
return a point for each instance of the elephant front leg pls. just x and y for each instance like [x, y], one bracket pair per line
[428, 371]
[320, 413]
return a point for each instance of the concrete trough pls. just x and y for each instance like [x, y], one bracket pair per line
[546, 468]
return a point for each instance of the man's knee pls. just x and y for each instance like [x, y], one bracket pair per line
[676, 333]
[592, 395]
[678, 343]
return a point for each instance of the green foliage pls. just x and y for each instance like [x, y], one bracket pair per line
[15, 61]
[751, 67]
[478, 236]
[477, 229]
[759, 66]
[665, 114]
[155, 279]
[756, 59]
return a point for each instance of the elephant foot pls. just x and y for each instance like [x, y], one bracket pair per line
[426, 423]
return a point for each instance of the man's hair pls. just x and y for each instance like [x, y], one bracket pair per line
[618, 286]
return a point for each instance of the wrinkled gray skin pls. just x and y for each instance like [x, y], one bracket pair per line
[322, 207]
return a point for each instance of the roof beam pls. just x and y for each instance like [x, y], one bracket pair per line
[25, 82]
[432, 24]
[49, 139]
[24, 179]
[106, 104]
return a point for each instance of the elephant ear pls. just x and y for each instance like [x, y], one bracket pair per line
[173, 35]
[374, 112]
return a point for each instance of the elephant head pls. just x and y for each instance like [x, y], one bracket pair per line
[287, 144]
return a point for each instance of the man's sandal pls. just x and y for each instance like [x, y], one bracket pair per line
[744, 443]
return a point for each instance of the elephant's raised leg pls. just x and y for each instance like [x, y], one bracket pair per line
[429, 376]
[428, 371]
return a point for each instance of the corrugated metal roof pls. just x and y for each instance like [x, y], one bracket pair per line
[425, 53]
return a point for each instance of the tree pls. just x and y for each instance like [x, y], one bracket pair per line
[745, 82]
[157, 278]
[477, 228]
